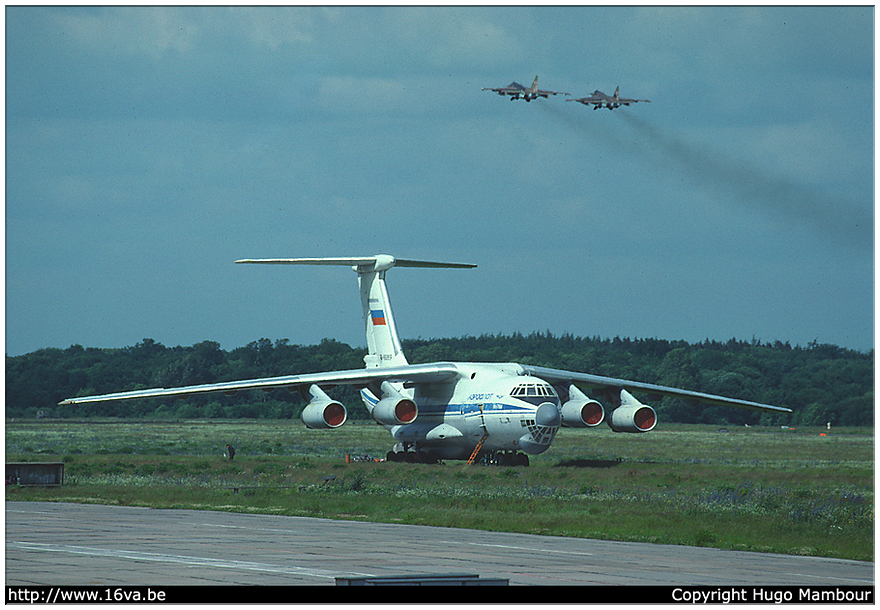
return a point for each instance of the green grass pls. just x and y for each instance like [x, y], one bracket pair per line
[755, 489]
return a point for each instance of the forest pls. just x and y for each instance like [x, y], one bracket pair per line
[821, 383]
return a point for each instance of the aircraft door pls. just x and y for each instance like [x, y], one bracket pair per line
[473, 417]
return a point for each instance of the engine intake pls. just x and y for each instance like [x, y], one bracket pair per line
[581, 411]
[395, 409]
[322, 411]
[632, 416]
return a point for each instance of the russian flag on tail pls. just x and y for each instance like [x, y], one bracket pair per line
[378, 317]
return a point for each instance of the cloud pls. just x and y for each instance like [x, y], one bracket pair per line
[455, 37]
[131, 31]
[149, 147]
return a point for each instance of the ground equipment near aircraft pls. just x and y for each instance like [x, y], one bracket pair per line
[517, 91]
[599, 99]
[496, 412]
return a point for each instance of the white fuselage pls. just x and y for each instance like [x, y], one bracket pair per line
[495, 402]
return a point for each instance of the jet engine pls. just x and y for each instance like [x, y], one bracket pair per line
[632, 416]
[581, 411]
[395, 409]
[322, 411]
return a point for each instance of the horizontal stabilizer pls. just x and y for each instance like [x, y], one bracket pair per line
[379, 262]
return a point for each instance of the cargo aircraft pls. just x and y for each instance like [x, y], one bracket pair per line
[517, 91]
[599, 99]
[498, 412]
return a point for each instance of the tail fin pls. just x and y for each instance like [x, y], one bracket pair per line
[383, 343]
[534, 86]
[617, 92]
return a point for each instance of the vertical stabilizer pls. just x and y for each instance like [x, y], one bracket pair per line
[383, 343]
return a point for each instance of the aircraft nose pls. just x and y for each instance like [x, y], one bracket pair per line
[547, 415]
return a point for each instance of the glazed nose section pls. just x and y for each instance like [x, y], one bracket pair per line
[542, 430]
[547, 415]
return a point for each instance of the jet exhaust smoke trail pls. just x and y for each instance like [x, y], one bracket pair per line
[839, 219]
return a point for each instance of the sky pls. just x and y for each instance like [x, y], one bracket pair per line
[148, 148]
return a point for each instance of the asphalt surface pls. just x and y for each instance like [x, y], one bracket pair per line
[55, 544]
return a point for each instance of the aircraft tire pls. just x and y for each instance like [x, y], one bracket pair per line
[427, 458]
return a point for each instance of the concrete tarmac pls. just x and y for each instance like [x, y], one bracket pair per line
[55, 544]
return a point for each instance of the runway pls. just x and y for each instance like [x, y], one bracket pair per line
[54, 544]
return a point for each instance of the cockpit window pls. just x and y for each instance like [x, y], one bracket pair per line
[535, 393]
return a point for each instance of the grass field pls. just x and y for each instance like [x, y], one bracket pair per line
[757, 489]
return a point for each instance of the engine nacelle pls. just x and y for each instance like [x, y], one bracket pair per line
[324, 414]
[582, 414]
[395, 411]
[580, 411]
[322, 411]
[632, 416]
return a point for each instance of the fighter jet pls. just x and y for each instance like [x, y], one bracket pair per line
[517, 91]
[599, 99]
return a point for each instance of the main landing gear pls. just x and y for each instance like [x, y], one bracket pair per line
[503, 458]
[410, 455]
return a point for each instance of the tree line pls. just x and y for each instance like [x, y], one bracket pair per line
[822, 383]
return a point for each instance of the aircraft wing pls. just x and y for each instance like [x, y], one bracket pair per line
[510, 89]
[545, 93]
[592, 99]
[419, 373]
[596, 381]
